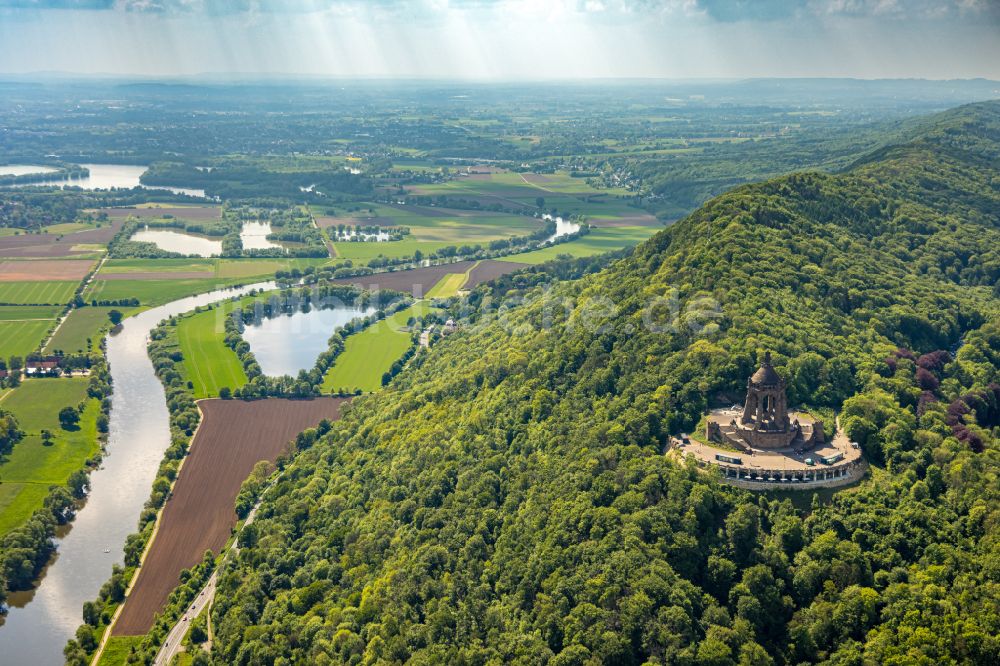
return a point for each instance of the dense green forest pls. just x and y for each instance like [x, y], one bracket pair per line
[506, 499]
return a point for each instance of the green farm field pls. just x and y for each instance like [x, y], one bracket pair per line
[28, 312]
[208, 363]
[369, 354]
[448, 286]
[218, 268]
[118, 648]
[81, 324]
[560, 191]
[19, 338]
[431, 228]
[32, 466]
[598, 241]
[37, 293]
[154, 292]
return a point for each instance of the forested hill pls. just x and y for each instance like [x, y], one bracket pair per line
[506, 499]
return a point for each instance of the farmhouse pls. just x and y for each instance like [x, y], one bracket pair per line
[46, 366]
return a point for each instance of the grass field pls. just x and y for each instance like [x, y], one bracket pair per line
[154, 292]
[120, 266]
[448, 286]
[81, 324]
[559, 190]
[35, 293]
[25, 312]
[68, 228]
[364, 252]
[598, 241]
[369, 354]
[117, 650]
[20, 338]
[208, 363]
[32, 466]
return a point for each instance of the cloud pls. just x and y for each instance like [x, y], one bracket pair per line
[732, 11]
[57, 4]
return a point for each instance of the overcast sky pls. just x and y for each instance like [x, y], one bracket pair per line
[504, 39]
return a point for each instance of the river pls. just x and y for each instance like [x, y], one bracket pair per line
[40, 621]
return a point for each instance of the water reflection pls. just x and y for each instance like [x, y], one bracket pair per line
[177, 241]
[107, 176]
[254, 236]
[287, 343]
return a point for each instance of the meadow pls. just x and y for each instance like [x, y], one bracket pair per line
[20, 338]
[82, 324]
[37, 293]
[32, 466]
[448, 286]
[370, 354]
[560, 191]
[208, 363]
[598, 241]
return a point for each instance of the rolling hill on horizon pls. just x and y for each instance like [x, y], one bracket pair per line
[506, 499]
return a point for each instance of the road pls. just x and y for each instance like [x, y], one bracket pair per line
[172, 645]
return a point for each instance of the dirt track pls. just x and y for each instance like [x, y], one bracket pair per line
[233, 436]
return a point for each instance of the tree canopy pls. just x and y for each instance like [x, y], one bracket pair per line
[506, 499]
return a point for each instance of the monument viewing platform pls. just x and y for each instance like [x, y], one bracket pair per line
[763, 443]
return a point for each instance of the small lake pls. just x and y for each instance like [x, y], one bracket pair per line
[107, 176]
[285, 344]
[23, 169]
[178, 241]
[563, 228]
[254, 236]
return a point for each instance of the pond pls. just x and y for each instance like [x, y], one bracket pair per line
[287, 343]
[254, 236]
[107, 176]
[351, 235]
[563, 228]
[178, 241]
[23, 169]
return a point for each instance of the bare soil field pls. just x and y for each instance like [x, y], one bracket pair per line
[417, 281]
[234, 435]
[44, 269]
[161, 275]
[182, 212]
[489, 269]
[54, 245]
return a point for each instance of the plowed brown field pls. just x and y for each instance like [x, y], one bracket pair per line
[419, 281]
[200, 515]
